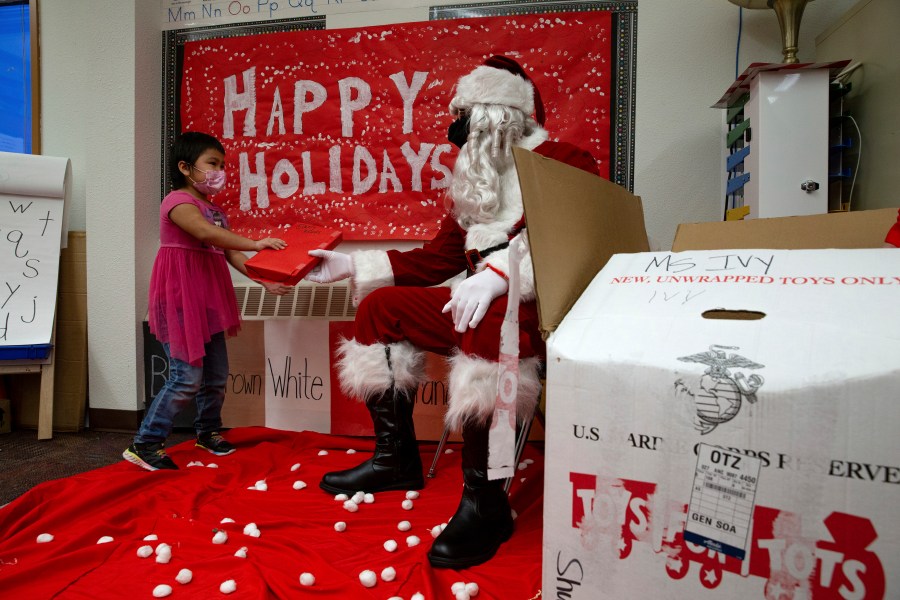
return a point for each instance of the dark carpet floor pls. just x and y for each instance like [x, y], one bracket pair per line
[26, 461]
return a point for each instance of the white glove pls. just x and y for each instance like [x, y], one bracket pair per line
[470, 301]
[333, 267]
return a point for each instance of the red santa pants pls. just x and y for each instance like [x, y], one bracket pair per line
[394, 314]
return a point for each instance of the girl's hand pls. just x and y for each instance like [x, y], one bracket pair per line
[273, 243]
[273, 287]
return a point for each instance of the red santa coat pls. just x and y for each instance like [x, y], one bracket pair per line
[398, 307]
[445, 256]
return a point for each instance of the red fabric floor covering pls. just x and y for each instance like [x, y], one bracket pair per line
[184, 508]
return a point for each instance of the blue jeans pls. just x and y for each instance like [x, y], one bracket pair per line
[204, 384]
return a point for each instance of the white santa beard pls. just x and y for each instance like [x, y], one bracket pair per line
[477, 189]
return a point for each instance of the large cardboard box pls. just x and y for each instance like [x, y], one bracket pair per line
[70, 374]
[858, 229]
[245, 394]
[5, 416]
[576, 222]
[725, 420]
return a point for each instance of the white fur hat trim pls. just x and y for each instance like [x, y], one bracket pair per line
[487, 85]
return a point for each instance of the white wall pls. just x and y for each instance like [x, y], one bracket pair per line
[100, 106]
[866, 34]
[101, 74]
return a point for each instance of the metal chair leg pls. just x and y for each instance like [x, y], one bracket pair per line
[437, 453]
[521, 440]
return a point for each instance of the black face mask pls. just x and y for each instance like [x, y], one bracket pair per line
[458, 132]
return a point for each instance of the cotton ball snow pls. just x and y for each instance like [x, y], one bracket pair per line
[226, 520]
[407, 504]
[242, 552]
[368, 578]
[417, 596]
[341, 498]
[220, 537]
[404, 525]
[413, 540]
[249, 528]
[457, 586]
[307, 579]
[412, 495]
[323, 452]
[144, 551]
[358, 497]
[162, 590]
[295, 467]
[388, 574]
[340, 526]
[351, 451]
[44, 538]
[390, 545]
[212, 466]
[105, 540]
[261, 485]
[351, 506]
[299, 485]
[435, 531]
[228, 587]
[184, 576]
[369, 498]
[472, 588]
[151, 538]
[164, 556]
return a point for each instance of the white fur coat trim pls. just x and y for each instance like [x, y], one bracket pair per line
[473, 389]
[363, 370]
[371, 270]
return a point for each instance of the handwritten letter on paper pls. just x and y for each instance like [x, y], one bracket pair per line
[33, 193]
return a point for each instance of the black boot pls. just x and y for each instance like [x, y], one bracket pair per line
[396, 464]
[483, 519]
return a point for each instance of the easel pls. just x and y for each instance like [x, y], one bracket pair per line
[47, 371]
[34, 190]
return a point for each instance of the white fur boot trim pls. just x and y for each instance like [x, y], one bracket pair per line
[363, 370]
[473, 389]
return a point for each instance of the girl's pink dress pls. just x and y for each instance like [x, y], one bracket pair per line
[191, 295]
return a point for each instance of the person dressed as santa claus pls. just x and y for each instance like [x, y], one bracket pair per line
[400, 315]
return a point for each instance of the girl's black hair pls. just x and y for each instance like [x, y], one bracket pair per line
[188, 147]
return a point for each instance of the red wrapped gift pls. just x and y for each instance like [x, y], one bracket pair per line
[288, 266]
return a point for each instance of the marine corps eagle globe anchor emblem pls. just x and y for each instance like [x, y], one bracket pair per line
[719, 397]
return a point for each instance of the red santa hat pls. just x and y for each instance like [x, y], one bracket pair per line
[501, 80]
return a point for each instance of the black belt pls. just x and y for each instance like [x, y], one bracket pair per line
[475, 256]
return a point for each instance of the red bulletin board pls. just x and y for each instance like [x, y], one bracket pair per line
[348, 127]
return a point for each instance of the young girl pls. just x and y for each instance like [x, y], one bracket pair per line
[192, 303]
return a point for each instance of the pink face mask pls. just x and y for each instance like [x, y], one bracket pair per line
[214, 182]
